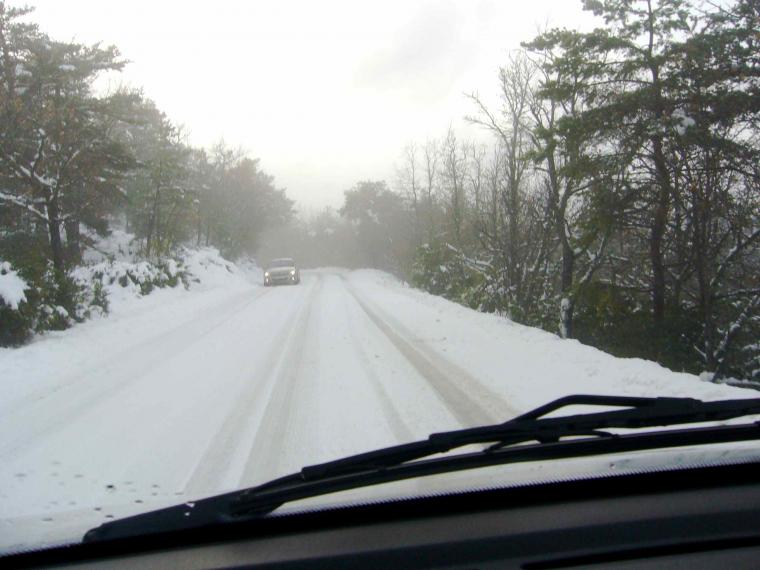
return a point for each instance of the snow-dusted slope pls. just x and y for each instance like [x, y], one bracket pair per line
[182, 394]
[527, 366]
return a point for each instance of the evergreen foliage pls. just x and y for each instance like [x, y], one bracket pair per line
[620, 203]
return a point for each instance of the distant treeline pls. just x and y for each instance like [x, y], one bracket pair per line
[620, 204]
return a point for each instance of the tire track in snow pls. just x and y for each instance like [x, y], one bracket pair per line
[111, 376]
[217, 460]
[394, 419]
[468, 400]
[265, 454]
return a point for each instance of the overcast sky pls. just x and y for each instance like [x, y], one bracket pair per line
[326, 93]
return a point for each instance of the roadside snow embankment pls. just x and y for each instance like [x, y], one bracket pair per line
[528, 365]
[138, 309]
[198, 269]
[113, 262]
[208, 269]
[36, 300]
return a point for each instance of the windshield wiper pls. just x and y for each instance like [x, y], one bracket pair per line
[532, 426]
[529, 437]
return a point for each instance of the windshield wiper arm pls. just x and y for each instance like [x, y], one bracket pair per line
[414, 459]
[531, 426]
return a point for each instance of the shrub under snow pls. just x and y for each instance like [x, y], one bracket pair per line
[31, 303]
[12, 286]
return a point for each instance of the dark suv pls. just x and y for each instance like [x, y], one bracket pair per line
[281, 271]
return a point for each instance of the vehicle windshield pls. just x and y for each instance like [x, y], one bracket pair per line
[486, 206]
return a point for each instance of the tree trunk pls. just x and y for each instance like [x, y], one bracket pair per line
[54, 236]
[566, 304]
[700, 243]
[657, 234]
[705, 308]
[151, 234]
[664, 192]
[656, 259]
[73, 241]
[199, 230]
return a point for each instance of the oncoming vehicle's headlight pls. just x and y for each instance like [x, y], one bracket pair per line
[292, 271]
[266, 274]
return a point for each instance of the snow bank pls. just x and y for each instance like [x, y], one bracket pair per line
[208, 268]
[48, 357]
[111, 278]
[117, 246]
[12, 286]
[529, 365]
[196, 269]
[250, 269]
[112, 261]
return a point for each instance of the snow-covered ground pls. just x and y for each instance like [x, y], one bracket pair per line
[182, 394]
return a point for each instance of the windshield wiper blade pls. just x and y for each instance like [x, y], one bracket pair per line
[549, 437]
[532, 426]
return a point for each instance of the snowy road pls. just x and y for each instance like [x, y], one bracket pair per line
[188, 395]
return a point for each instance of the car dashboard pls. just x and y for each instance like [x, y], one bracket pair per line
[700, 517]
